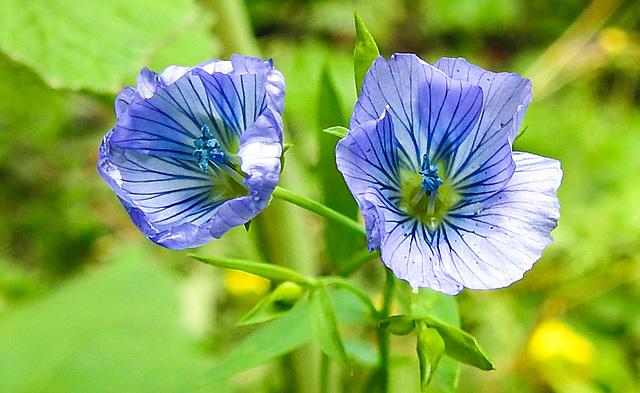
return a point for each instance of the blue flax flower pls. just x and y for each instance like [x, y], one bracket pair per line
[429, 161]
[196, 151]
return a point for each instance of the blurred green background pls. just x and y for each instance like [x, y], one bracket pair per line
[88, 304]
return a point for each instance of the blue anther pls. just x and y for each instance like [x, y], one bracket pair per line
[207, 148]
[429, 172]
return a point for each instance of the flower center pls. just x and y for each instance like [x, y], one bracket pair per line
[425, 196]
[207, 148]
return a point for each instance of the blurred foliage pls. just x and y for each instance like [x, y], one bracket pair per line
[59, 222]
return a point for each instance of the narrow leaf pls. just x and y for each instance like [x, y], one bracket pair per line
[460, 345]
[268, 271]
[430, 348]
[283, 335]
[325, 325]
[338, 131]
[364, 53]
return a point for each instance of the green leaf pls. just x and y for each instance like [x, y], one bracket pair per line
[338, 131]
[440, 311]
[361, 353]
[400, 325]
[285, 148]
[340, 242]
[437, 305]
[460, 345]
[275, 304]
[117, 329]
[94, 45]
[325, 325]
[284, 335]
[430, 348]
[364, 53]
[266, 270]
[428, 302]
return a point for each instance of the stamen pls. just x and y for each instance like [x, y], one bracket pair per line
[207, 148]
[430, 183]
[429, 172]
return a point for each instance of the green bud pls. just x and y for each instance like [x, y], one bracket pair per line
[287, 294]
[400, 325]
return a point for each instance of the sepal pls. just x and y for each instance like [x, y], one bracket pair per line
[400, 325]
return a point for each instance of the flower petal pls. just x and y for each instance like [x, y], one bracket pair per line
[432, 113]
[490, 244]
[506, 95]
[238, 99]
[406, 248]
[367, 158]
[167, 123]
[160, 193]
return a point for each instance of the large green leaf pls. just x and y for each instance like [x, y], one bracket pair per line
[284, 335]
[115, 330]
[340, 242]
[93, 44]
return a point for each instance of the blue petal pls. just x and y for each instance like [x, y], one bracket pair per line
[367, 158]
[506, 95]
[161, 193]
[432, 113]
[482, 164]
[493, 243]
[238, 99]
[167, 123]
[405, 246]
[260, 151]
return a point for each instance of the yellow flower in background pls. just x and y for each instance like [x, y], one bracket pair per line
[240, 283]
[553, 339]
[614, 40]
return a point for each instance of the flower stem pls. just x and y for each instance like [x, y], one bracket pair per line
[319, 209]
[233, 27]
[383, 335]
[324, 373]
[340, 282]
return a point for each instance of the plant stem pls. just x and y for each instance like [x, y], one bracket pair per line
[233, 27]
[319, 209]
[340, 282]
[324, 373]
[383, 335]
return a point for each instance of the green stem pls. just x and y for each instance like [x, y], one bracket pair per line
[324, 373]
[233, 27]
[383, 335]
[319, 209]
[360, 260]
[340, 282]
